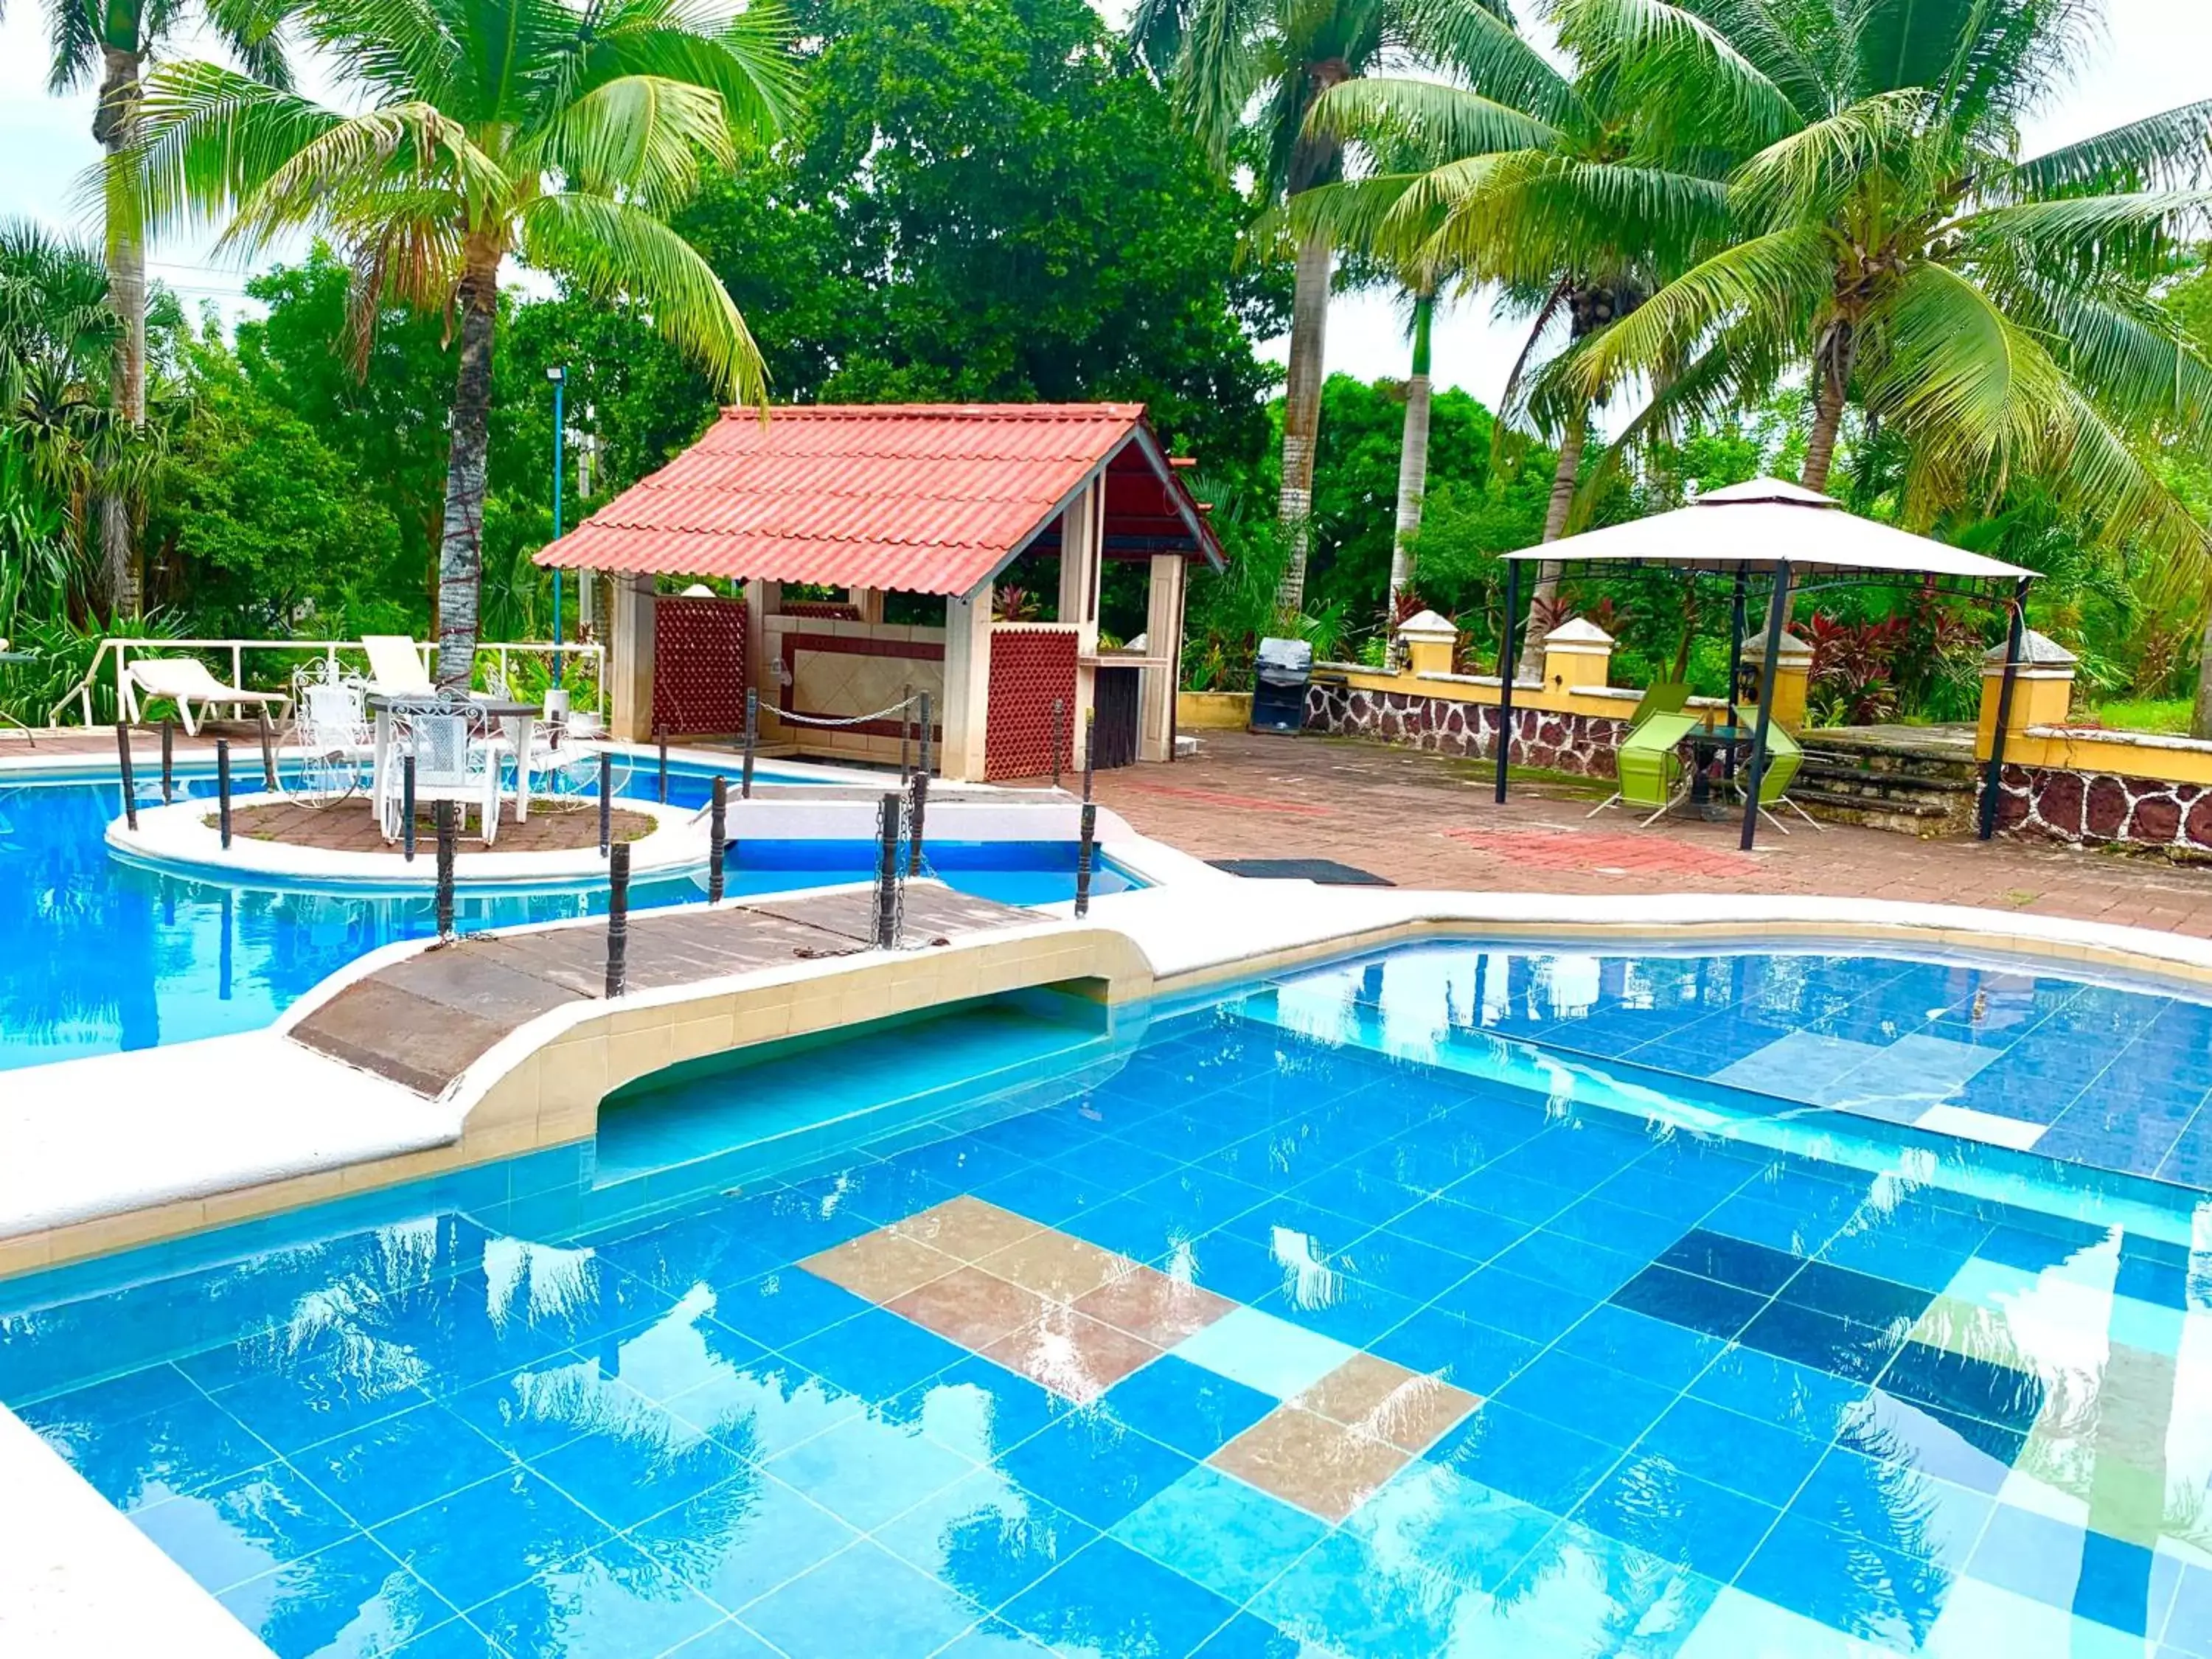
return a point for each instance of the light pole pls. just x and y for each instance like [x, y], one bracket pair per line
[559, 375]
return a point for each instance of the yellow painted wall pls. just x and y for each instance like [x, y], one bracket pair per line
[1213, 711]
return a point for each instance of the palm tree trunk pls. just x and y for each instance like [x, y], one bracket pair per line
[1302, 416]
[1820, 444]
[1412, 468]
[1563, 476]
[460, 548]
[114, 124]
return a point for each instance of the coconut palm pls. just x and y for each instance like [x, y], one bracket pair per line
[1244, 75]
[114, 40]
[1544, 181]
[559, 133]
[1993, 311]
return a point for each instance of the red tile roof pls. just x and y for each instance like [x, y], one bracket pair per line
[921, 498]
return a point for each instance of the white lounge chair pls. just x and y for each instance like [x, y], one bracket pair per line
[185, 681]
[395, 666]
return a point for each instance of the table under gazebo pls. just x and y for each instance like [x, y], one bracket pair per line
[1783, 532]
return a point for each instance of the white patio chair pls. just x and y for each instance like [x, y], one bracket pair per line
[185, 681]
[456, 759]
[331, 732]
[564, 761]
[395, 666]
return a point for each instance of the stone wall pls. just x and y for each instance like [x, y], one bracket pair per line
[1560, 741]
[2100, 806]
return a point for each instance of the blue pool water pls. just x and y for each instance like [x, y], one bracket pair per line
[1756, 1387]
[97, 955]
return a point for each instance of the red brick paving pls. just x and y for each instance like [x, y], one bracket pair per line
[1426, 821]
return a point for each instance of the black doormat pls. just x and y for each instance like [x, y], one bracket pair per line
[1328, 871]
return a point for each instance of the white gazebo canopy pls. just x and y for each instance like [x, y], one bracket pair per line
[1758, 526]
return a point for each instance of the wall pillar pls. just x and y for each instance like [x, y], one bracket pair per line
[630, 644]
[1163, 638]
[1429, 641]
[1576, 654]
[868, 601]
[1794, 673]
[2043, 687]
[966, 712]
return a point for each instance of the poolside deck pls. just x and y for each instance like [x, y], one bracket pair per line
[423, 1021]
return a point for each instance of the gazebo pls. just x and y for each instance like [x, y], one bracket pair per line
[849, 505]
[1799, 541]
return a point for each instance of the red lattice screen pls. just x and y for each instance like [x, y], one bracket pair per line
[698, 665]
[1030, 667]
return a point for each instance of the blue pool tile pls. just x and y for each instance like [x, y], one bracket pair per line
[400, 1463]
[763, 1408]
[1780, 1392]
[1360, 1194]
[1198, 1199]
[1127, 1226]
[541, 1408]
[147, 1453]
[1517, 1197]
[1701, 1305]
[1244, 1269]
[1728, 1450]
[1233, 1539]
[1581, 1592]
[981, 1409]
[698, 1249]
[1350, 1310]
[1474, 1356]
[1050, 1195]
[727, 1640]
[1095, 1467]
[1189, 1407]
[1964, 1383]
[785, 1306]
[994, 1638]
[866, 1469]
[1324, 1232]
[1650, 1503]
[1404, 1266]
[986, 1536]
[1841, 1347]
[1849, 1295]
[1669, 1355]
[1552, 1258]
[649, 1461]
[876, 1354]
[1247, 1637]
[2085, 1572]
[735, 1542]
[1521, 1306]
[244, 1525]
[1444, 1223]
[1525, 1456]
[351, 1599]
[293, 1408]
[1262, 1351]
[1963, 1451]
[1118, 1161]
[463, 1329]
[457, 1638]
[1733, 1261]
[1849, 1585]
[486, 1539]
[791, 1223]
[1757, 1221]
[1894, 1507]
[1617, 1227]
[1113, 1602]
[610, 1602]
[2189, 1620]
[1593, 1400]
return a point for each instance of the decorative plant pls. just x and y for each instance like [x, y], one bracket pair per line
[1851, 678]
[1013, 605]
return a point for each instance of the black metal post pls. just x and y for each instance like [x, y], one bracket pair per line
[906, 725]
[1087, 842]
[268, 748]
[923, 762]
[1507, 656]
[606, 802]
[443, 812]
[1090, 749]
[753, 737]
[887, 828]
[1059, 736]
[662, 786]
[1993, 774]
[222, 788]
[618, 920]
[918, 787]
[1736, 661]
[129, 777]
[407, 806]
[168, 761]
[718, 830]
[1778, 613]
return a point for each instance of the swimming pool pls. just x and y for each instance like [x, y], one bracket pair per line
[1235, 1333]
[97, 954]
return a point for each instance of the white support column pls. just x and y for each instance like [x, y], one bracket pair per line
[1082, 559]
[966, 710]
[759, 676]
[629, 641]
[1163, 638]
[868, 601]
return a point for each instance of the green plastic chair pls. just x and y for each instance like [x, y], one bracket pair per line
[1652, 775]
[1784, 757]
[1668, 697]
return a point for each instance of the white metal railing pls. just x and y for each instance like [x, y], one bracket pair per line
[114, 655]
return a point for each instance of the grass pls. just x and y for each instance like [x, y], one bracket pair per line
[2167, 716]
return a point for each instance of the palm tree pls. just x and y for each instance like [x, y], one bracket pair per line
[1548, 183]
[1244, 73]
[557, 132]
[114, 40]
[1996, 312]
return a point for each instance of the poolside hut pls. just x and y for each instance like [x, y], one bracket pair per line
[1796, 541]
[862, 544]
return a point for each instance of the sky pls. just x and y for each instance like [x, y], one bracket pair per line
[2156, 54]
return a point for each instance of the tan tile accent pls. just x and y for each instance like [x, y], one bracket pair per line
[879, 1265]
[970, 1307]
[966, 1228]
[1411, 1409]
[1323, 1467]
[1149, 1304]
[1076, 1358]
[1056, 1266]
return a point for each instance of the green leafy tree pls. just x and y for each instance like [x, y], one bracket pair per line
[1245, 73]
[494, 128]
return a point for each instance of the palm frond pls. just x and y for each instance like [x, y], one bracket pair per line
[1808, 173]
[344, 175]
[1969, 386]
[1217, 71]
[1677, 67]
[1479, 43]
[1440, 121]
[2091, 236]
[643, 137]
[612, 250]
[747, 60]
[2170, 148]
[2124, 350]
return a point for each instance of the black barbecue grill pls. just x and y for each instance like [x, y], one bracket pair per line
[1280, 672]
